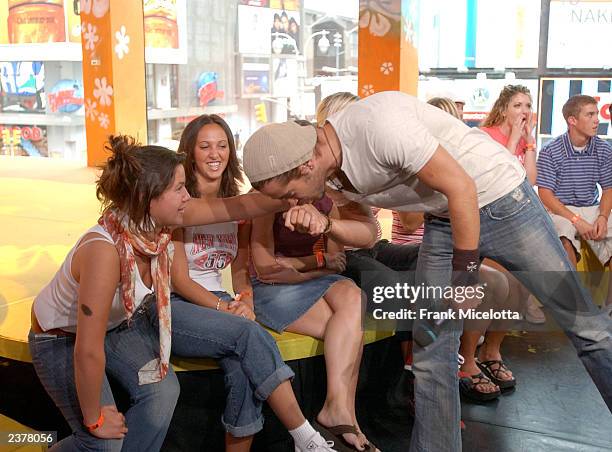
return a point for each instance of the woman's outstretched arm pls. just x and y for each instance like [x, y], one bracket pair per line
[220, 210]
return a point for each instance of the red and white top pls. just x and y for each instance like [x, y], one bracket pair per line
[210, 249]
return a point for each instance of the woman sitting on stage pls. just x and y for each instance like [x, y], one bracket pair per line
[107, 310]
[206, 320]
[297, 287]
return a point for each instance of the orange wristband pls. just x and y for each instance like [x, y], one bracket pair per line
[320, 259]
[99, 423]
[530, 147]
[575, 218]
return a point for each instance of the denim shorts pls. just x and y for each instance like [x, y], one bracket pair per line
[279, 305]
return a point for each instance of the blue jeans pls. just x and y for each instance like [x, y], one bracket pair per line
[517, 232]
[127, 349]
[246, 352]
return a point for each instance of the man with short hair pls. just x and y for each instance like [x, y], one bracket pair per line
[570, 168]
[393, 151]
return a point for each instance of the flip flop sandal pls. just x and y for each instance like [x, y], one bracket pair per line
[335, 434]
[493, 374]
[468, 384]
[369, 446]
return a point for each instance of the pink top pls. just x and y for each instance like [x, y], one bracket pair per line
[496, 133]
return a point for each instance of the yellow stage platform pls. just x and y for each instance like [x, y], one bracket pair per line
[9, 425]
[45, 205]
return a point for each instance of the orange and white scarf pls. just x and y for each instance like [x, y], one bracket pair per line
[160, 251]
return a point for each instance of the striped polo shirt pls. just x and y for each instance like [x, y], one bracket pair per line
[573, 175]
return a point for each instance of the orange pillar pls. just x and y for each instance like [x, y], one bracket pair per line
[113, 73]
[387, 56]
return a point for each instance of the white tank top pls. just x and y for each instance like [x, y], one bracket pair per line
[209, 249]
[56, 305]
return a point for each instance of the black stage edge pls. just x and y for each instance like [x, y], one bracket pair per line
[196, 424]
[555, 407]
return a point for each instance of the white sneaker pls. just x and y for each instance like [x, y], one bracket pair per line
[316, 444]
[534, 313]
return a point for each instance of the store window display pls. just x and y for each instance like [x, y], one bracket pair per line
[248, 57]
[189, 68]
[36, 21]
[41, 83]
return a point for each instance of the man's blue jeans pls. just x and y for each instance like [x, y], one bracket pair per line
[517, 232]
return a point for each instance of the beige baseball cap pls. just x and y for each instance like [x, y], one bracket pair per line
[275, 149]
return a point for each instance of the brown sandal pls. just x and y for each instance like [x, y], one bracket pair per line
[468, 386]
[335, 434]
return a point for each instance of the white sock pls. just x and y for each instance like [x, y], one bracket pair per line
[302, 434]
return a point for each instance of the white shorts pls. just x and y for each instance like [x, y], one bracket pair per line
[602, 248]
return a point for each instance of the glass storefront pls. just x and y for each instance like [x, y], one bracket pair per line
[251, 62]
[257, 61]
[41, 86]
